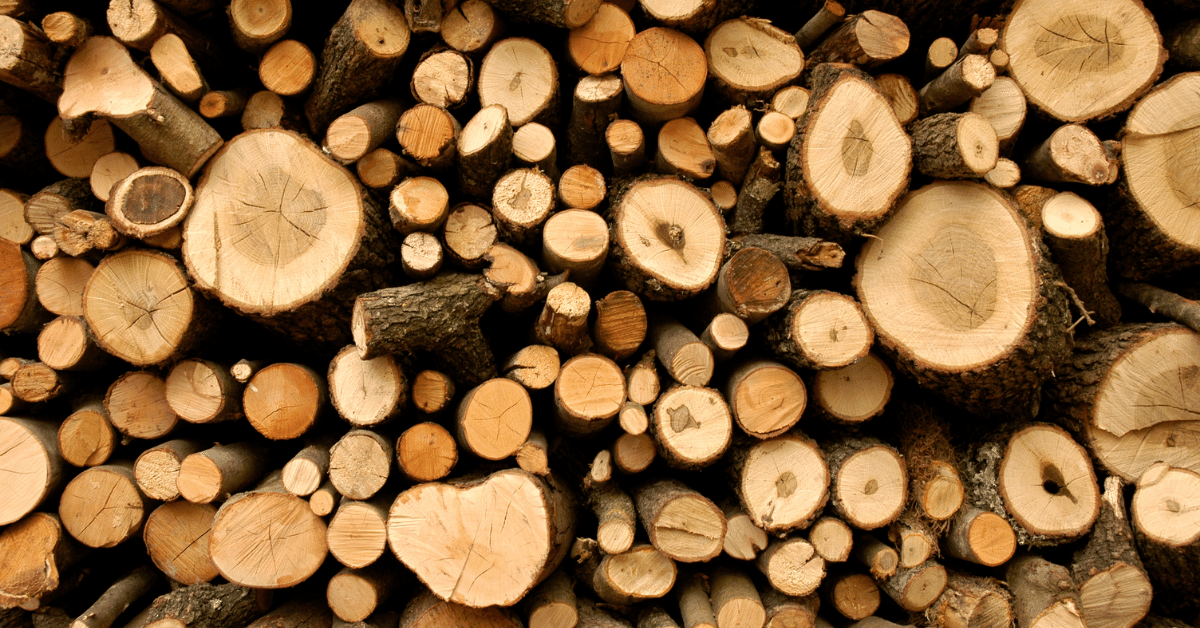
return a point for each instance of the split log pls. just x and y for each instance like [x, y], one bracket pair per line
[360, 463]
[832, 539]
[1104, 393]
[766, 397]
[981, 537]
[168, 132]
[121, 595]
[781, 482]
[521, 75]
[681, 523]
[484, 151]
[750, 59]
[663, 87]
[516, 277]
[271, 190]
[1037, 478]
[443, 78]
[102, 506]
[137, 405]
[692, 425]
[202, 391]
[868, 482]
[954, 146]
[1148, 228]
[971, 601]
[854, 595]
[866, 40]
[978, 358]
[283, 401]
[44, 209]
[588, 394]
[1162, 516]
[494, 419]
[596, 102]
[254, 527]
[86, 438]
[1101, 85]
[366, 392]
[34, 553]
[792, 566]
[819, 329]
[1043, 592]
[357, 533]
[853, 394]
[846, 110]
[157, 469]
[1072, 154]
[1114, 589]
[431, 523]
[176, 536]
[217, 472]
[361, 53]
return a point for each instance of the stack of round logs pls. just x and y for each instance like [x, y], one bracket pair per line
[558, 313]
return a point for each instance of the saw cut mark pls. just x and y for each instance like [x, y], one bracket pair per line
[1088, 44]
[955, 278]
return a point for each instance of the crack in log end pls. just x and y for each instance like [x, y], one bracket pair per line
[1086, 44]
[857, 150]
[955, 278]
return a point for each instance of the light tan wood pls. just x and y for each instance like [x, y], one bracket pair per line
[562, 323]
[832, 539]
[750, 59]
[66, 344]
[360, 463]
[66, 29]
[626, 146]
[735, 600]
[169, 132]
[284, 400]
[521, 75]
[157, 469]
[288, 68]
[432, 391]
[366, 392]
[361, 130]
[972, 601]
[485, 151]
[44, 209]
[633, 453]
[137, 405]
[981, 537]
[418, 204]
[681, 523]
[176, 536]
[534, 456]
[76, 156]
[743, 539]
[266, 109]
[12, 217]
[766, 397]
[426, 527]
[867, 40]
[534, 145]
[692, 425]
[663, 86]
[34, 467]
[633, 418]
[782, 482]
[615, 516]
[494, 419]
[683, 149]
[599, 46]
[382, 169]
[899, 92]
[1072, 154]
[954, 146]
[256, 24]
[357, 535]
[821, 329]
[305, 472]
[695, 607]
[588, 394]
[575, 240]
[684, 356]
[86, 437]
[203, 391]
[36, 553]
[582, 187]
[178, 69]
[967, 78]
[641, 380]
[869, 484]
[44, 248]
[251, 528]
[724, 195]
[244, 369]
[354, 594]
[535, 367]
[854, 595]
[1003, 104]
[916, 588]
[471, 28]
[429, 136]
[725, 334]
[324, 499]
[775, 131]
[521, 201]
[110, 169]
[552, 604]
[942, 53]
[1006, 174]
[102, 507]
[443, 78]
[829, 15]
[35, 382]
[427, 611]
[792, 566]
[217, 472]
[881, 559]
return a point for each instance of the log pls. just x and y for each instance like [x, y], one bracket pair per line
[157, 469]
[1005, 175]
[1036, 477]
[598, 46]
[35, 382]
[681, 523]
[535, 367]
[1043, 593]
[981, 537]
[472, 28]
[934, 481]
[1072, 154]
[819, 329]
[360, 463]
[86, 437]
[750, 59]
[121, 595]
[29, 61]
[361, 53]
[743, 538]
[562, 323]
[219, 103]
[881, 559]
[36, 552]
[252, 528]
[266, 109]
[626, 146]
[60, 283]
[382, 169]
[1114, 589]
[203, 391]
[44, 209]
[522, 200]
[432, 391]
[485, 150]
[990, 374]
[284, 400]
[443, 78]
[636, 575]
[217, 472]
[781, 482]
[595, 103]
[432, 522]
[853, 394]
[318, 219]
[725, 334]
[868, 482]
[418, 204]
[775, 131]
[916, 588]
[633, 453]
[1164, 541]
[521, 75]
[829, 15]
[106, 521]
[588, 394]
[866, 40]
[641, 380]
[21, 310]
[534, 145]
[357, 533]
[576, 240]
[1003, 104]
[366, 392]
[942, 53]
[684, 356]
[969, 77]
[695, 605]
[854, 595]
[832, 539]
[137, 405]
[201, 606]
[692, 425]
[256, 24]
[552, 604]
[792, 566]
[581, 187]
[178, 69]
[168, 132]
[13, 226]
[658, 86]
[30, 453]
[300, 612]
[1074, 232]
[425, 610]
[355, 594]
[735, 600]
[361, 130]
[971, 601]
[533, 455]
[66, 344]
[1100, 86]
[824, 205]
[176, 536]
[954, 146]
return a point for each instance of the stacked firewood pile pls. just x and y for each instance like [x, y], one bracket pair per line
[554, 313]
